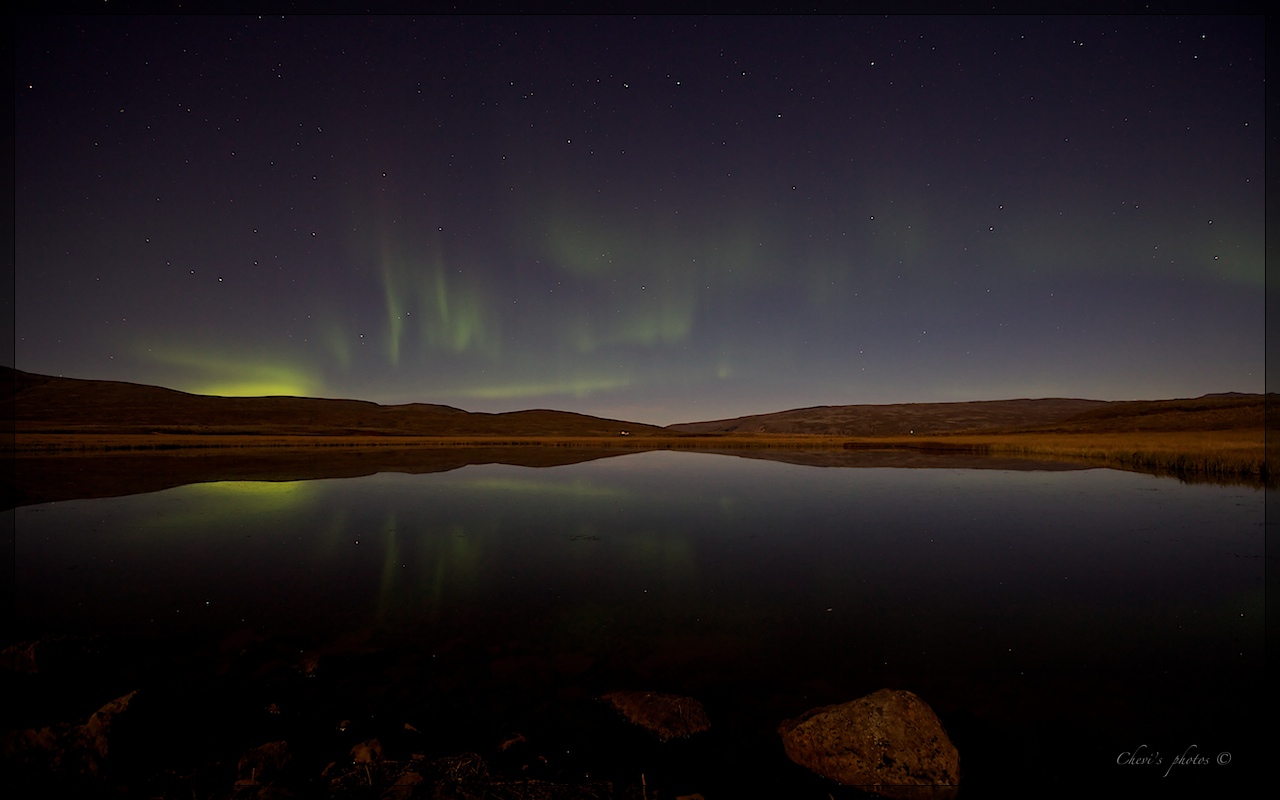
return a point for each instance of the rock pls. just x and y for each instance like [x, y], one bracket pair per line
[408, 785]
[370, 775]
[367, 752]
[67, 750]
[21, 657]
[263, 764]
[889, 743]
[93, 734]
[667, 716]
[461, 777]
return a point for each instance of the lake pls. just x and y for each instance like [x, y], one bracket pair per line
[1069, 626]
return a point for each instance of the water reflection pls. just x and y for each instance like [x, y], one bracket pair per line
[53, 477]
[1022, 604]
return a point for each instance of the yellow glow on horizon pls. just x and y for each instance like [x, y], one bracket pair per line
[253, 389]
[235, 376]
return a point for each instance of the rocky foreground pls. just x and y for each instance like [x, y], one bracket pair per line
[181, 739]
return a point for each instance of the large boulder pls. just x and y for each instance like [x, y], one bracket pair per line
[889, 743]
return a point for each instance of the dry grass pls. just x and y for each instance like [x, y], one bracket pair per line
[1231, 455]
[1225, 454]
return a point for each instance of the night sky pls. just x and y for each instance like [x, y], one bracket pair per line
[654, 219]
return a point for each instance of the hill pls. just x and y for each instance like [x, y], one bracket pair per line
[41, 404]
[1056, 415]
[44, 404]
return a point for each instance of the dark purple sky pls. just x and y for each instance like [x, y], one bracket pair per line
[658, 219]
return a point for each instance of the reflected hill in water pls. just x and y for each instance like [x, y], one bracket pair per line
[45, 479]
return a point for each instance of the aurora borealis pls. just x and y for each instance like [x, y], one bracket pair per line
[655, 219]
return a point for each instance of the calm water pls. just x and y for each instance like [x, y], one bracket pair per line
[1055, 620]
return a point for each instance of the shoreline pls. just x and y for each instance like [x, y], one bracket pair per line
[1234, 455]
